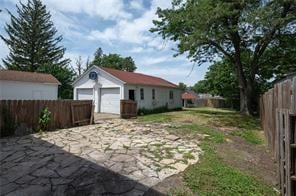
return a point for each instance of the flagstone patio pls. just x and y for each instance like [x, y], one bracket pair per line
[116, 157]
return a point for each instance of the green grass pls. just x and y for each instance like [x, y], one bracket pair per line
[223, 117]
[156, 118]
[188, 155]
[211, 175]
[192, 129]
[250, 136]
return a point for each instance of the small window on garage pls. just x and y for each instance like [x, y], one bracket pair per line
[171, 95]
[153, 94]
[142, 93]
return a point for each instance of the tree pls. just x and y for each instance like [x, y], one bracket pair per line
[279, 60]
[114, 61]
[200, 87]
[79, 66]
[31, 39]
[33, 44]
[182, 86]
[87, 64]
[98, 57]
[221, 80]
[207, 29]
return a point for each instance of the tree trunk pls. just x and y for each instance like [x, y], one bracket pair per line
[248, 98]
[244, 101]
[245, 92]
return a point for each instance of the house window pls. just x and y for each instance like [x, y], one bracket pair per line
[153, 94]
[142, 93]
[131, 95]
[171, 95]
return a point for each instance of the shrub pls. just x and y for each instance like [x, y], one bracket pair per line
[44, 119]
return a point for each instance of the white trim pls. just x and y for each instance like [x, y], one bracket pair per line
[100, 69]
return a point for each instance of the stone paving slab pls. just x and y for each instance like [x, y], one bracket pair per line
[117, 157]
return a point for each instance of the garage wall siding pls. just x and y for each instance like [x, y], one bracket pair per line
[14, 90]
[161, 96]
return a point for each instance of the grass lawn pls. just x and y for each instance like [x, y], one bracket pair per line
[233, 151]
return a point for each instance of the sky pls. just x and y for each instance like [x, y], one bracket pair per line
[117, 26]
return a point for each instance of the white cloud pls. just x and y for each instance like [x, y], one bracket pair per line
[136, 4]
[137, 50]
[3, 50]
[107, 35]
[106, 9]
[152, 60]
[4, 17]
[66, 25]
[134, 30]
[167, 71]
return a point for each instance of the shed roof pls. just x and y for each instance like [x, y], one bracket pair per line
[22, 76]
[189, 95]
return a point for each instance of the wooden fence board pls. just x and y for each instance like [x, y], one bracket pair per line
[24, 114]
[128, 109]
[293, 97]
[278, 113]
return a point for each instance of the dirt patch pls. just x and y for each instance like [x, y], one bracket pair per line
[252, 159]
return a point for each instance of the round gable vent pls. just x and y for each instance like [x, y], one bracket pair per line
[93, 75]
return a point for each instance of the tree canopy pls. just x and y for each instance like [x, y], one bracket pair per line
[114, 61]
[182, 86]
[200, 87]
[34, 45]
[32, 39]
[209, 29]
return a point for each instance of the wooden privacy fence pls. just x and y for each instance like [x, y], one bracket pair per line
[20, 117]
[278, 118]
[128, 109]
[210, 102]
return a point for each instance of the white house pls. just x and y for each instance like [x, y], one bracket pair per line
[19, 85]
[106, 87]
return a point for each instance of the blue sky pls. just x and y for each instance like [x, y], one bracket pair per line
[117, 26]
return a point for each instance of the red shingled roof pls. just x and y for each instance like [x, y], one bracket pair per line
[137, 78]
[27, 77]
[189, 95]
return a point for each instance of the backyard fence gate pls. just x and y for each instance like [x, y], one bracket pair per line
[128, 109]
[278, 118]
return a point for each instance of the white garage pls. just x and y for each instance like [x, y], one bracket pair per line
[110, 100]
[85, 94]
[21, 85]
[106, 87]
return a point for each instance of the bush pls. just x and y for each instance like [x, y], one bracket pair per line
[144, 111]
[44, 119]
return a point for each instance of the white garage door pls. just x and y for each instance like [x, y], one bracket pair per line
[85, 94]
[110, 100]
